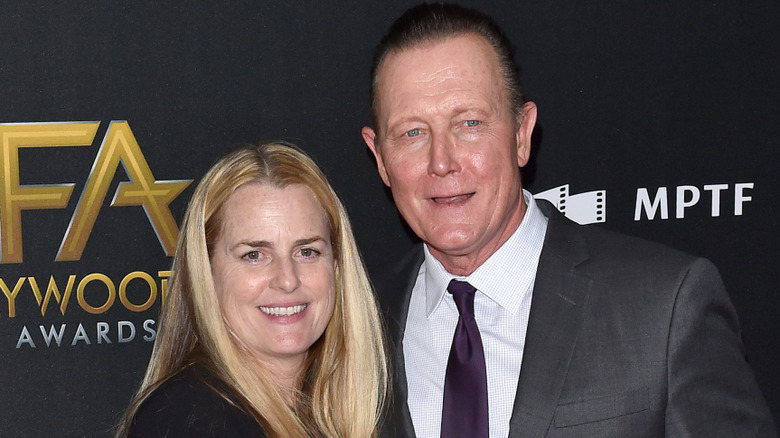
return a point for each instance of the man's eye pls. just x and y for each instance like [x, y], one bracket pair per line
[413, 132]
[252, 255]
[472, 123]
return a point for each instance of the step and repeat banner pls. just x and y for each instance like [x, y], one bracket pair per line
[655, 119]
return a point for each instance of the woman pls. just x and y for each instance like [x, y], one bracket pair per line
[269, 327]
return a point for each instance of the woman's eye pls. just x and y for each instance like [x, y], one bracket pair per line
[309, 253]
[252, 255]
[412, 132]
[472, 123]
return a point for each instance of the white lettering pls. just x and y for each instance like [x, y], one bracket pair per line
[715, 189]
[81, 335]
[643, 202]
[682, 204]
[102, 332]
[52, 334]
[152, 333]
[25, 338]
[125, 324]
[687, 196]
[740, 198]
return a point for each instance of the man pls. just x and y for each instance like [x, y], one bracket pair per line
[579, 331]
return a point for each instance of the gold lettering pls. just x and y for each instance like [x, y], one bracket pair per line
[52, 289]
[14, 197]
[11, 296]
[123, 291]
[164, 275]
[143, 190]
[111, 293]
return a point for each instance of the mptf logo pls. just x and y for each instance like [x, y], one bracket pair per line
[687, 197]
[119, 146]
[591, 207]
[583, 208]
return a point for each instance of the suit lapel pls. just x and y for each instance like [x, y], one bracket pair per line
[561, 292]
[397, 293]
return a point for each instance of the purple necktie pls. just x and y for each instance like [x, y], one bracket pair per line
[465, 411]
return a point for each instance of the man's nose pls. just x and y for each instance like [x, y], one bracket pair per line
[443, 158]
[285, 276]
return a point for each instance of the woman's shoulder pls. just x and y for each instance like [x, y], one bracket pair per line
[188, 405]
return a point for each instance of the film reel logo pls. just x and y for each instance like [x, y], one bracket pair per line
[583, 208]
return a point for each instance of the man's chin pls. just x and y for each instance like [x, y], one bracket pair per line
[451, 245]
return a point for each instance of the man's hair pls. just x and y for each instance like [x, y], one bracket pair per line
[430, 22]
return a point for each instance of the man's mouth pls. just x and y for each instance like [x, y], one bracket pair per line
[452, 199]
[283, 311]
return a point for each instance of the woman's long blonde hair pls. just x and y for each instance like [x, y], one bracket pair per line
[345, 377]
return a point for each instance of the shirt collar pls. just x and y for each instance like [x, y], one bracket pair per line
[518, 255]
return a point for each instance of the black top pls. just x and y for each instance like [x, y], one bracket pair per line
[187, 406]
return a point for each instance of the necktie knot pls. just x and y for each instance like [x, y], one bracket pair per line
[463, 295]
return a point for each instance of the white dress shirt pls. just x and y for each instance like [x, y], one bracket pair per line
[501, 306]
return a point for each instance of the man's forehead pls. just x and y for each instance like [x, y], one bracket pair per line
[462, 60]
[426, 57]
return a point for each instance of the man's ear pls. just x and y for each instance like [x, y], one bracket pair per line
[369, 136]
[525, 127]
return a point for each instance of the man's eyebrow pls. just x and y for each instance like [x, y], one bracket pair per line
[392, 124]
[469, 108]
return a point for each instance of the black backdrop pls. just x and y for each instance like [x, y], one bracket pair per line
[640, 101]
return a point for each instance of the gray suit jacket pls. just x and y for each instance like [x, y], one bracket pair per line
[626, 338]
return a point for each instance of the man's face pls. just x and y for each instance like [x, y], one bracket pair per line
[448, 145]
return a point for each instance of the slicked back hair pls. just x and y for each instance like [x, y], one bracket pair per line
[437, 21]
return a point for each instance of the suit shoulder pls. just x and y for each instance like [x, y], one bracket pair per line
[630, 251]
[603, 253]
[600, 245]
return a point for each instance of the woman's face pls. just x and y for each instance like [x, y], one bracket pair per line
[273, 271]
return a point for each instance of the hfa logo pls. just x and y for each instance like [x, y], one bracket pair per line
[119, 145]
